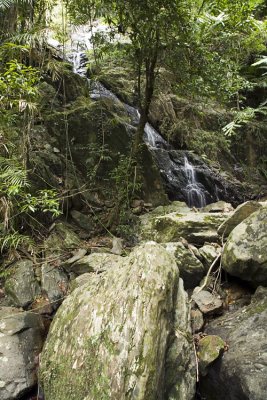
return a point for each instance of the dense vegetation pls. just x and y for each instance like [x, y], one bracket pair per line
[208, 52]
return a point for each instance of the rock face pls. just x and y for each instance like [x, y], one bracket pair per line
[124, 334]
[242, 371]
[196, 227]
[242, 212]
[21, 339]
[245, 253]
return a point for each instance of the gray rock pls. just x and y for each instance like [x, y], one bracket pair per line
[207, 303]
[117, 246]
[197, 320]
[196, 227]
[22, 287]
[95, 262]
[83, 221]
[77, 255]
[61, 239]
[21, 340]
[54, 283]
[191, 269]
[123, 334]
[208, 254]
[242, 371]
[245, 253]
[219, 206]
[242, 212]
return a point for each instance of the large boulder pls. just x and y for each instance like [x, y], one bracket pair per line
[243, 211]
[123, 334]
[21, 340]
[196, 227]
[242, 371]
[245, 253]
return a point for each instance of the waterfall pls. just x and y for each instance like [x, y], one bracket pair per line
[194, 190]
[178, 174]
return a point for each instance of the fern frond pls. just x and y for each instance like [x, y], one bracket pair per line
[14, 241]
[12, 175]
[5, 4]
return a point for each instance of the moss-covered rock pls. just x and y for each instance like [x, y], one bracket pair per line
[208, 253]
[209, 349]
[245, 253]
[196, 227]
[111, 336]
[242, 212]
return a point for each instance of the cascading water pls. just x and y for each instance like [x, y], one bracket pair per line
[194, 190]
[179, 175]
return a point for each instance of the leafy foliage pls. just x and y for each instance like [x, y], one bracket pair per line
[17, 203]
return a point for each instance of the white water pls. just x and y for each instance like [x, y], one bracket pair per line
[194, 192]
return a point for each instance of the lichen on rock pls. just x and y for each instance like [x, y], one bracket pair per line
[111, 336]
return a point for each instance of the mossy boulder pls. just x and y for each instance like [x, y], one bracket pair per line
[209, 349]
[195, 227]
[241, 212]
[123, 334]
[245, 253]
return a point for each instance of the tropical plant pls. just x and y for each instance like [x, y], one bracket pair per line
[18, 204]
